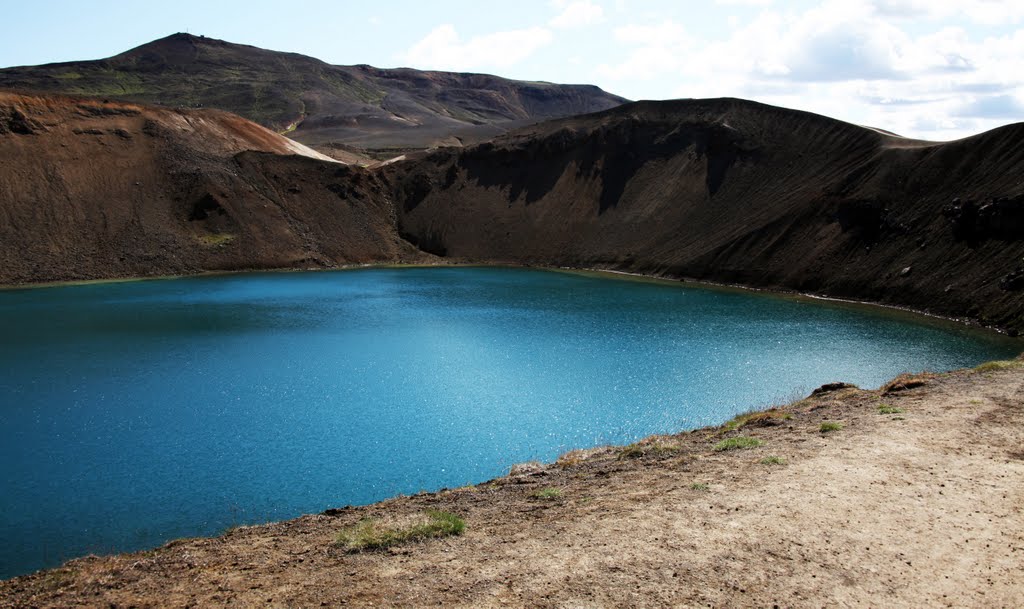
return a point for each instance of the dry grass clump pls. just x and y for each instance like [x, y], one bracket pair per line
[757, 418]
[548, 494]
[372, 534]
[737, 443]
[655, 446]
[904, 382]
[997, 365]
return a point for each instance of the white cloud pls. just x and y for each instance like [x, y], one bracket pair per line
[659, 49]
[577, 14]
[988, 12]
[924, 68]
[822, 46]
[850, 60]
[667, 33]
[744, 2]
[444, 49]
[993, 106]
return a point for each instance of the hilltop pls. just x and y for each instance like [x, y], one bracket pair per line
[323, 105]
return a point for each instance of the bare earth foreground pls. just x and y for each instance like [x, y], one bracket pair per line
[920, 505]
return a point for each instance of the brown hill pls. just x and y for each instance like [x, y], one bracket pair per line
[734, 191]
[720, 190]
[315, 102]
[92, 189]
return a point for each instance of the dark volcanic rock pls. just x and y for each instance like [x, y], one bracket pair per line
[738, 192]
[995, 218]
[865, 217]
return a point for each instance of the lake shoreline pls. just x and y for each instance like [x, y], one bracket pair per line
[847, 496]
[608, 273]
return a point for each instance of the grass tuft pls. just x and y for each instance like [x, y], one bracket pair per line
[773, 460]
[549, 493]
[830, 426]
[699, 486]
[887, 409]
[370, 534]
[216, 239]
[737, 443]
[632, 451]
[642, 448]
[757, 418]
[998, 365]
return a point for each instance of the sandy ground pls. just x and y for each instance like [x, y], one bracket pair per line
[922, 508]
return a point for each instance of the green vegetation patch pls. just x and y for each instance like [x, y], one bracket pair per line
[699, 486]
[887, 409]
[737, 443]
[371, 534]
[830, 426]
[997, 365]
[773, 460]
[548, 493]
[216, 239]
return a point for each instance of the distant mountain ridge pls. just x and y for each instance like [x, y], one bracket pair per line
[311, 101]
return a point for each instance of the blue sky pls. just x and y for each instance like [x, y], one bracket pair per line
[935, 69]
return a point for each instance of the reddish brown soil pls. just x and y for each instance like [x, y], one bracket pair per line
[97, 190]
[923, 508]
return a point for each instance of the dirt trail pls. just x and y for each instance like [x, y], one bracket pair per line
[923, 507]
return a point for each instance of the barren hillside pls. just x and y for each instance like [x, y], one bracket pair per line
[104, 189]
[735, 191]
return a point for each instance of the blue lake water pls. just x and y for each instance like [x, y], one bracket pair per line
[134, 413]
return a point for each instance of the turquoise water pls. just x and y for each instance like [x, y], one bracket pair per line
[133, 413]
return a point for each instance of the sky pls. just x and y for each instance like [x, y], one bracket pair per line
[932, 69]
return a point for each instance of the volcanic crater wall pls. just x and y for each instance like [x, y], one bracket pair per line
[720, 190]
[734, 191]
[99, 190]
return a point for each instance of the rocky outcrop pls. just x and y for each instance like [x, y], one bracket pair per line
[995, 218]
